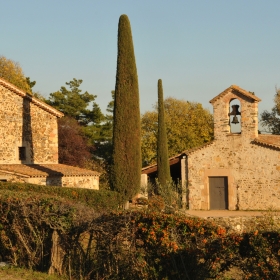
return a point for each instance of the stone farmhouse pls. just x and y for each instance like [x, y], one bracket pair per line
[29, 143]
[238, 170]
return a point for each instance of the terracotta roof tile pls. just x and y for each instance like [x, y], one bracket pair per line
[268, 140]
[236, 88]
[44, 170]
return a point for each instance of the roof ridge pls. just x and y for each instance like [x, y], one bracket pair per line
[240, 90]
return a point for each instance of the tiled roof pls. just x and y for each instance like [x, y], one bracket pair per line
[268, 140]
[173, 160]
[236, 88]
[153, 167]
[32, 99]
[44, 170]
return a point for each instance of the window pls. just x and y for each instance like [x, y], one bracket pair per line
[22, 153]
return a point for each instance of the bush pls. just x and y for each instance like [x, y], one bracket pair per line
[100, 200]
[61, 235]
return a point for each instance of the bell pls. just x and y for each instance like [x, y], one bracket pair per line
[235, 113]
[235, 120]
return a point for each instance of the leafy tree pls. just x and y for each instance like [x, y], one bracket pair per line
[162, 148]
[73, 148]
[188, 125]
[73, 103]
[126, 167]
[13, 73]
[271, 120]
[31, 84]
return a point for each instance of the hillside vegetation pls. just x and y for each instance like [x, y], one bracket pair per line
[47, 230]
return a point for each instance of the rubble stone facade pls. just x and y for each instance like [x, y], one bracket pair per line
[24, 124]
[29, 143]
[237, 170]
[249, 162]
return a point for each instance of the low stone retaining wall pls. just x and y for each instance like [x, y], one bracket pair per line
[268, 221]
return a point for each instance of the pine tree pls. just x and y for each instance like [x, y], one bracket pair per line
[162, 147]
[126, 167]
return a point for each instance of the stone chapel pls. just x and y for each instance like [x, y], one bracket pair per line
[29, 143]
[239, 169]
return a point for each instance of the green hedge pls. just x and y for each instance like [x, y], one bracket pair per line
[100, 200]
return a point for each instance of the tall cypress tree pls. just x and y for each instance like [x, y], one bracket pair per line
[126, 168]
[162, 147]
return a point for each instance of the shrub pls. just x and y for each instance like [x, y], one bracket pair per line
[100, 200]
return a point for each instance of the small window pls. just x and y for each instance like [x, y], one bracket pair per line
[22, 153]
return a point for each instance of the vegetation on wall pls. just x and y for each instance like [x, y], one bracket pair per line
[126, 156]
[163, 168]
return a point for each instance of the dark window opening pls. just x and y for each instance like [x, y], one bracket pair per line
[22, 153]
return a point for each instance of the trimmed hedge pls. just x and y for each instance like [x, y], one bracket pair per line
[100, 200]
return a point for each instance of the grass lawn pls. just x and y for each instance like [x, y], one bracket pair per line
[13, 273]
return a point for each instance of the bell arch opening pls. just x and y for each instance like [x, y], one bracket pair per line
[235, 116]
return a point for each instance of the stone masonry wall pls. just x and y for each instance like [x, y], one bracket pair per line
[23, 124]
[249, 115]
[44, 137]
[253, 174]
[253, 171]
[267, 221]
[86, 182]
[11, 126]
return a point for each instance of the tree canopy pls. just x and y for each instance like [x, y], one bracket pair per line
[13, 73]
[73, 146]
[73, 103]
[162, 147]
[188, 125]
[126, 156]
[271, 120]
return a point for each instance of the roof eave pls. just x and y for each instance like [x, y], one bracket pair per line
[33, 99]
[238, 89]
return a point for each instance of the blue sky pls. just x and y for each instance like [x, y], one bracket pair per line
[198, 48]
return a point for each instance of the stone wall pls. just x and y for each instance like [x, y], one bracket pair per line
[24, 124]
[253, 174]
[267, 221]
[86, 182]
[249, 115]
[253, 171]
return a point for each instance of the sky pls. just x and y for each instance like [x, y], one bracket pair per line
[198, 48]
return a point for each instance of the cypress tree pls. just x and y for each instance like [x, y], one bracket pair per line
[162, 148]
[126, 167]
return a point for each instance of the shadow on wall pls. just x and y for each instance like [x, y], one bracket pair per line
[26, 154]
[53, 178]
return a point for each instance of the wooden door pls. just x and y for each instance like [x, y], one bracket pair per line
[218, 190]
